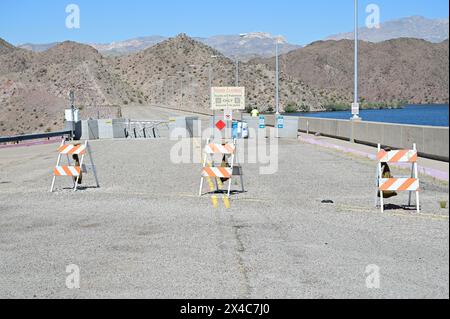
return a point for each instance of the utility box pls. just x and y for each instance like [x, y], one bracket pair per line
[286, 127]
[68, 115]
[186, 127]
[69, 126]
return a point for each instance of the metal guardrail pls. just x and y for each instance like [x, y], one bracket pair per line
[29, 137]
[144, 129]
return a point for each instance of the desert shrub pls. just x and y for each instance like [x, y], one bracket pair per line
[304, 108]
[291, 107]
[337, 107]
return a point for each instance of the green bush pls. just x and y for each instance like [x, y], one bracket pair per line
[291, 107]
[304, 108]
[337, 107]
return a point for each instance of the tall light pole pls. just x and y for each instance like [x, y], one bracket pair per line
[210, 93]
[181, 88]
[237, 72]
[277, 73]
[194, 66]
[72, 110]
[171, 87]
[277, 79]
[355, 105]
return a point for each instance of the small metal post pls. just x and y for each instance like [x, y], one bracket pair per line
[72, 108]
[237, 72]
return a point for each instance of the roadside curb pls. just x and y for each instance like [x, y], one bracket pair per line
[435, 173]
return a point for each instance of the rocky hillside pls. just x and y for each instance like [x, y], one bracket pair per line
[5, 47]
[160, 73]
[177, 73]
[412, 70]
[34, 86]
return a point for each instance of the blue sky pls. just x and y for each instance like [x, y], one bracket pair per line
[300, 21]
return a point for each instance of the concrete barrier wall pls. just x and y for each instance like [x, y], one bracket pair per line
[89, 130]
[432, 142]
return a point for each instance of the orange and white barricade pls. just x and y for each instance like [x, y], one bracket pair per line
[227, 151]
[409, 184]
[76, 167]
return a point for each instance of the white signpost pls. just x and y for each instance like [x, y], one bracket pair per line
[71, 115]
[228, 115]
[355, 108]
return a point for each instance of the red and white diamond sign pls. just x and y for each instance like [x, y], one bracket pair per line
[221, 125]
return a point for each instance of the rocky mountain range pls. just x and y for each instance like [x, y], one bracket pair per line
[34, 86]
[178, 72]
[175, 72]
[417, 27]
[244, 48]
[262, 44]
[248, 46]
[411, 70]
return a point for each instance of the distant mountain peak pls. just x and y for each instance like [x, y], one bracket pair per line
[254, 44]
[418, 27]
[265, 36]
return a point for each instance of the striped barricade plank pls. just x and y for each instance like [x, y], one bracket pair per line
[72, 149]
[227, 149]
[75, 167]
[73, 171]
[221, 172]
[399, 184]
[401, 156]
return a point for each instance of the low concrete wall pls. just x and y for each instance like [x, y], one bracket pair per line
[432, 142]
[89, 130]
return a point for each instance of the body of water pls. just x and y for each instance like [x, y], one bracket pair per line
[431, 115]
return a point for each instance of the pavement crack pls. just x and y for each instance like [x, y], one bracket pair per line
[240, 250]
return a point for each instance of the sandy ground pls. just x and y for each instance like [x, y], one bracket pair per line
[145, 234]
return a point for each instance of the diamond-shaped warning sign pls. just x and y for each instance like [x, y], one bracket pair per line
[221, 125]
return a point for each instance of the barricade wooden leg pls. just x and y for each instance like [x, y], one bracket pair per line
[54, 176]
[58, 162]
[78, 177]
[205, 158]
[418, 202]
[94, 169]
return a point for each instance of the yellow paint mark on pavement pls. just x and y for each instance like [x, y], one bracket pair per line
[226, 202]
[215, 201]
